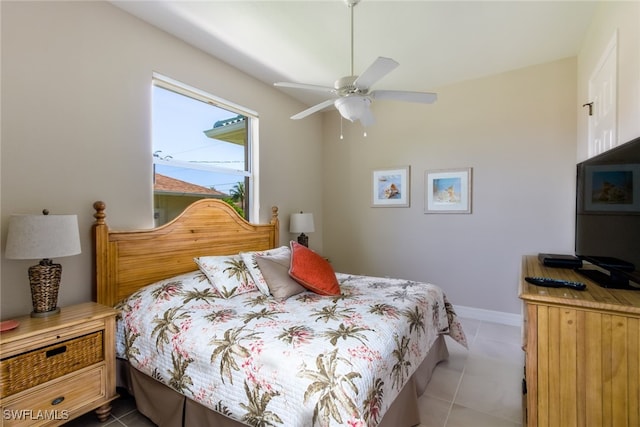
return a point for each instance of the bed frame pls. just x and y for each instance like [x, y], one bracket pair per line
[127, 260]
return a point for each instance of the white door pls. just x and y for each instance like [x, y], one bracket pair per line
[603, 100]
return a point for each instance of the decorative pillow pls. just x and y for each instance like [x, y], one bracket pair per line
[249, 259]
[312, 271]
[188, 281]
[275, 271]
[228, 274]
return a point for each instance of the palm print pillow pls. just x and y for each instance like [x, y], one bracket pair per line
[228, 274]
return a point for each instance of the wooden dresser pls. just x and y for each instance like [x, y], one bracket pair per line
[582, 363]
[56, 368]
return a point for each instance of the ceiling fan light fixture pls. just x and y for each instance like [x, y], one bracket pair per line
[351, 95]
[353, 108]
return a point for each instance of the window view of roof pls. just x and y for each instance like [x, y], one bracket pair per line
[166, 185]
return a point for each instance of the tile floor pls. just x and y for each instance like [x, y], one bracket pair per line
[479, 387]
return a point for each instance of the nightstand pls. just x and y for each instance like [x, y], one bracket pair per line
[56, 368]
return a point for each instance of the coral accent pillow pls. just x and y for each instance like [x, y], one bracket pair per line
[312, 271]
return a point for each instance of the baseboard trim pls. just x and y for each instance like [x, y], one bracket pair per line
[501, 317]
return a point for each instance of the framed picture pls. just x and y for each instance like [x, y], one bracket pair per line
[448, 191]
[612, 188]
[391, 187]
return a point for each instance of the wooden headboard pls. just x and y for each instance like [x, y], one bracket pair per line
[127, 260]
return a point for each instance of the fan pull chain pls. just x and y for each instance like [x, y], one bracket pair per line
[341, 135]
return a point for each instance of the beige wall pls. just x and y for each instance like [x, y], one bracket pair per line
[76, 81]
[522, 132]
[516, 130]
[75, 129]
[619, 19]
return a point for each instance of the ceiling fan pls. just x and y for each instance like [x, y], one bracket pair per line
[351, 95]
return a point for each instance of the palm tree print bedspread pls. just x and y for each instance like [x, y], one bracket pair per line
[309, 360]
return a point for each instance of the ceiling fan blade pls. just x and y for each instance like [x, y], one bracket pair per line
[314, 109]
[380, 68]
[303, 86]
[367, 118]
[398, 95]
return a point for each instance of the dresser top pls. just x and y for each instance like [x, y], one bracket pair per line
[594, 297]
[68, 316]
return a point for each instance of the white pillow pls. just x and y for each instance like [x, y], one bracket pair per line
[249, 259]
[227, 273]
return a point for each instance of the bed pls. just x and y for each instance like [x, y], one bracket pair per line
[200, 344]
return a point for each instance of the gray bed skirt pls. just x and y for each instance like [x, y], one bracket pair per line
[167, 408]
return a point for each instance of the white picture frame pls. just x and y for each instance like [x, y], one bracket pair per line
[391, 187]
[448, 191]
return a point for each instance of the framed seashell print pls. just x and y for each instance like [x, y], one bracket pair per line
[391, 187]
[447, 191]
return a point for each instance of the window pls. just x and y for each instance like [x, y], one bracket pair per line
[202, 148]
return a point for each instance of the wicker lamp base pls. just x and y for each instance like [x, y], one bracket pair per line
[303, 239]
[45, 282]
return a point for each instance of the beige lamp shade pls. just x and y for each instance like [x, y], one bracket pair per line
[42, 236]
[301, 223]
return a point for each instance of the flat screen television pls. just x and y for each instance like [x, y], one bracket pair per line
[608, 216]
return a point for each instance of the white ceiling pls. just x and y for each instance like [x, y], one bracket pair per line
[436, 42]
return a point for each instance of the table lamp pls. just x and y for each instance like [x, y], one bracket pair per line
[43, 237]
[302, 223]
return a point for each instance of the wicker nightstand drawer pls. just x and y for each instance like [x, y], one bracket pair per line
[29, 369]
[56, 368]
[57, 402]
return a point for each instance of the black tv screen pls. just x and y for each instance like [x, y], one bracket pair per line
[608, 215]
